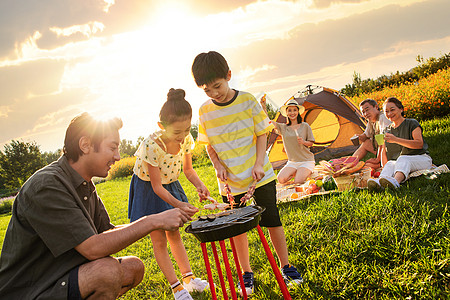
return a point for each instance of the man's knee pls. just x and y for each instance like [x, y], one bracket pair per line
[103, 276]
[133, 269]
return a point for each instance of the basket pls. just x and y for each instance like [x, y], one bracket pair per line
[346, 182]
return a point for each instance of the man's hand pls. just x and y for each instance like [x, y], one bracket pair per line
[188, 208]
[362, 137]
[373, 160]
[172, 219]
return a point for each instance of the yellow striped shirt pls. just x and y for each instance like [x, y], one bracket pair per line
[231, 129]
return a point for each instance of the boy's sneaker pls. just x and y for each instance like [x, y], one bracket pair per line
[182, 294]
[249, 282]
[373, 184]
[389, 182]
[196, 285]
[291, 276]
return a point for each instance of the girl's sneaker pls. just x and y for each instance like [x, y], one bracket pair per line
[291, 276]
[195, 284]
[389, 182]
[249, 283]
[182, 294]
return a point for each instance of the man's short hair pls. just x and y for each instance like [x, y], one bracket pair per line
[208, 67]
[85, 125]
[371, 102]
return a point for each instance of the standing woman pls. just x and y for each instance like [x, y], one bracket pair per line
[404, 150]
[297, 138]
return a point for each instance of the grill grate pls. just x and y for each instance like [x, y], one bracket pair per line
[221, 218]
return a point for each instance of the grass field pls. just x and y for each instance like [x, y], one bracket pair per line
[351, 245]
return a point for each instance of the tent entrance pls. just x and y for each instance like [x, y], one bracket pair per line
[324, 125]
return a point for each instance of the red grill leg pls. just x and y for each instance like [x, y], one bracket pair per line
[208, 271]
[219, 270]
[227, 268]
[273, 264]
[238, 269]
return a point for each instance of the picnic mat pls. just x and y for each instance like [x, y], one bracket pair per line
[284, 193]
[434, 170]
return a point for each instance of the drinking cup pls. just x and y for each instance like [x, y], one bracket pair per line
[379, 138]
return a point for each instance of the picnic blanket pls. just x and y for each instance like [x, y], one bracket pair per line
[434, 170]
[284, 192]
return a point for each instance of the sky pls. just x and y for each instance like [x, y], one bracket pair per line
[59, 58]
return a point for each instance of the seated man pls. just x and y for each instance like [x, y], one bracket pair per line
[377, 123]
[59, 239]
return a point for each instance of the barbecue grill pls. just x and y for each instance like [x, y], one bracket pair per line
[226, 225]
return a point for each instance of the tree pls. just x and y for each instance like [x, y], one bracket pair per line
[127, 148]
[194, 130]
[50, 157]
[18, 162]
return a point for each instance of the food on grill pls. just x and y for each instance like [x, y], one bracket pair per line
[230, 197]
[249, 193]
[215, 205]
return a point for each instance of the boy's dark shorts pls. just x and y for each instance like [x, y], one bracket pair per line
[265, 196]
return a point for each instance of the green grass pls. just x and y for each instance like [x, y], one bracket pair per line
[351, 245]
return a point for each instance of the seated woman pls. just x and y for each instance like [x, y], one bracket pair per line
[297, 138]
[404, 150]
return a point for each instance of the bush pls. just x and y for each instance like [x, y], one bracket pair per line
[200, 156]
[426, 99]
[6, 205]
[122, 168]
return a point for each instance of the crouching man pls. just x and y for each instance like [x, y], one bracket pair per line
[59, 241]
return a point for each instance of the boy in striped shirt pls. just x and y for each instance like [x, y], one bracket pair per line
[234, 129]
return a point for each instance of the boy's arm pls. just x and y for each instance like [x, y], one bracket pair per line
[258, 168]
[221, 172]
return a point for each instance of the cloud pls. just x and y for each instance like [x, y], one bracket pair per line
[42, 114]
[327, 3]
[20, 19]
[32, 78]
[214, 7]
[311, 47]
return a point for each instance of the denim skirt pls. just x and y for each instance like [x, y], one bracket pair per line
[143, 201]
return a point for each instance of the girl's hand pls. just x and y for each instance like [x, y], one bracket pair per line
[188, 208]
[258, 172]
[203, 192]
[300, 140]
[221, 172]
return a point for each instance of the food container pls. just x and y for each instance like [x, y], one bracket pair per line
[226, 224]
[359, 179]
